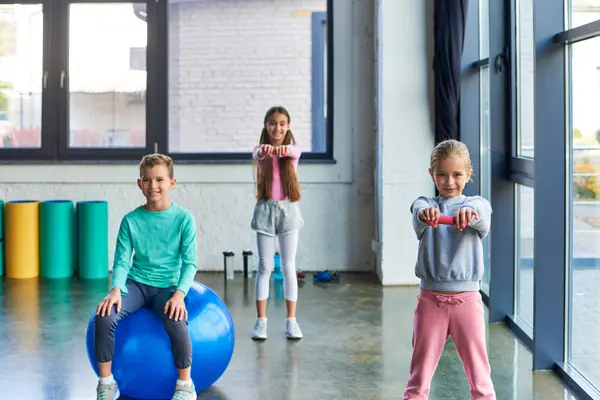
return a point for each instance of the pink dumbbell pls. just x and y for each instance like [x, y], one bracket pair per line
[444, 220]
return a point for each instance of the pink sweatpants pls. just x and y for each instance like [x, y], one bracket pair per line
[437, 317]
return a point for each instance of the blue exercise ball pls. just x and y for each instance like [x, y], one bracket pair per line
[143, 364]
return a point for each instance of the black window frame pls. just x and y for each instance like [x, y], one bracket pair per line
[54, 135]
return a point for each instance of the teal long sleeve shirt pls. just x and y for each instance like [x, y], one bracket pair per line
[163, 246]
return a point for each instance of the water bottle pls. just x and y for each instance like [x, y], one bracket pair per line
[248, 269]
[277, 275]
[227, 265]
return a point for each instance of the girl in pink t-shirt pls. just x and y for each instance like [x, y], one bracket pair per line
[277, 216]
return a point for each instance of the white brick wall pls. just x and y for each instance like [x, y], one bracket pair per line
[229, 61]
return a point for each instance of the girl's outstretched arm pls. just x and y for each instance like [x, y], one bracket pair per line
[418, 224]
[257, 153]
[294, 152]
[483, 208]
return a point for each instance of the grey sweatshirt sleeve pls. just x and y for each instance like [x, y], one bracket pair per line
[416, 207]
[483, 208]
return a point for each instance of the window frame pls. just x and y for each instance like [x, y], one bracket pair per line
[500, 296]
[548, 340]
[471, 116]
[561, 42]
[54, 126]
[319, 122]
[48, 130]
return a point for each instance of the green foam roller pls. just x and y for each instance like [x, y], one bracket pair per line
[92, 235]
[57, 239]
[1, 237]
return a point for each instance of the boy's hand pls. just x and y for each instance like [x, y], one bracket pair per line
[113, 297]
[430, 214]
[464, 216]
[175, 306]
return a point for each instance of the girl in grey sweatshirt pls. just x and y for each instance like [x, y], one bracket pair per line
[450, 265]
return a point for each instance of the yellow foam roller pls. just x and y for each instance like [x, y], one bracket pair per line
[22, 239]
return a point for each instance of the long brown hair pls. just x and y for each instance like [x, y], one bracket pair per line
[264, 171]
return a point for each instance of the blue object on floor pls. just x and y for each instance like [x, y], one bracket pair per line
[277, 275]
[326, 276]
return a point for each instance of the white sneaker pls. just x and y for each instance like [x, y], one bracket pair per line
[260, 329]
[292, 329]
[109, 391]
[185, 392]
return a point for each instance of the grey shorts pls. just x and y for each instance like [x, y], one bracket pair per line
[276, 217]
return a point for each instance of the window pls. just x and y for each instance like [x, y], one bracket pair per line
[524, 237]
[107, 102]
[552, 88]
[21, 80]
[137, 58]
[584, 266]
[485, 162]
[252, 55]
[484, 28]
[319, 82]
[484, 112]
[582, 12]
[192, 78]
[525, 57]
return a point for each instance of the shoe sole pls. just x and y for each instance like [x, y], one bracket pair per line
[116, 395]
[259, 339]
[294, 338]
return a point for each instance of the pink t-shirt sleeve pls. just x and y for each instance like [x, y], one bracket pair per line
[257, 154]
[295, 152]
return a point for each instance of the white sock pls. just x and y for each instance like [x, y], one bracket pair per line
[184, 383]
[264, 319]
[291, 319]
[107, 380]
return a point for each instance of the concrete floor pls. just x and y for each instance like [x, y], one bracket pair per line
[357, 345]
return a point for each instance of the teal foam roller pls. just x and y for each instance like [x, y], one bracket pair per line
[57, 239]
[92, 239]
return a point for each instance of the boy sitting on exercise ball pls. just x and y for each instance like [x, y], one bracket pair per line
[162, 237]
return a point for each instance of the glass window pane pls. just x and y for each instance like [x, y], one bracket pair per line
[525, 78]
[582, 12]
[484, 28]
[107, 76]
[230, 61]
[525, 262]
[485, 164]
[21, 75]
[584, 269]
[324, 88]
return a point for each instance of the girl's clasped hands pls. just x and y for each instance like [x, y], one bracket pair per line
[463, 218]
[279, 151]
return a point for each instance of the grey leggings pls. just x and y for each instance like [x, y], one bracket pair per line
[140, 295]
